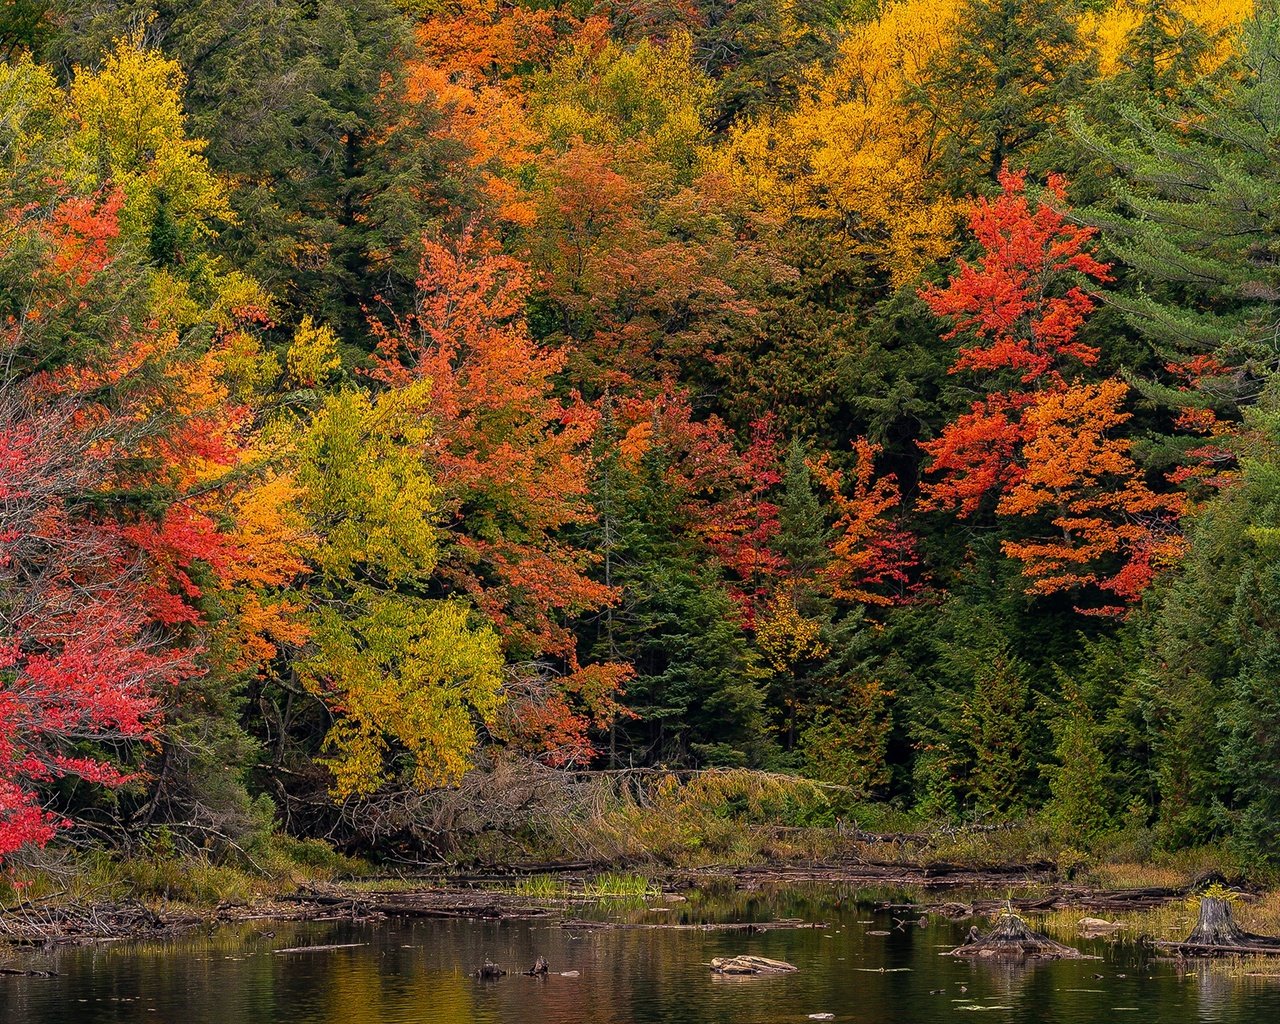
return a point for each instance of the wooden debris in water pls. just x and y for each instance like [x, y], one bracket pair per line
[1013, 939]
[321, 949]
[1094, 927]
[750, 965]
[489, 970]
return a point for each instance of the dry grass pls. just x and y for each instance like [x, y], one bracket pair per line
[1178, 870]
[1173, 921]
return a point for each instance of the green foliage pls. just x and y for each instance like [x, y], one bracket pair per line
[1193, 215]
[996, 94]
[1078, 806]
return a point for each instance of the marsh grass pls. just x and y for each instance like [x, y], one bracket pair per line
[540, 887]
[160, 876]
[613, 885]
[1247, 967]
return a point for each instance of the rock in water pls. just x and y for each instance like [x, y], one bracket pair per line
[1093, 927]
[1013, 939]
[750, 965]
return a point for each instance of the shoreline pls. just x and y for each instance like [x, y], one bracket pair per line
[53, 921]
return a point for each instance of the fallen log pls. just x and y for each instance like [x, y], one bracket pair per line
[321, 949]
[750, 965]
[1013, 939]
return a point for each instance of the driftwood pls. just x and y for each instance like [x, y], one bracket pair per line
[1218, 934]
[321, 949]
[750, 965]
[1013, 939]
[426, 903]
[750, 927]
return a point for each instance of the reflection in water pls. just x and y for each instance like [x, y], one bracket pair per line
[420, 972]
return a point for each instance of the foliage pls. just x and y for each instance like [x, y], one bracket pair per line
[403, 398]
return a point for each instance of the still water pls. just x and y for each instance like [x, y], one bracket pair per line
[419, 972]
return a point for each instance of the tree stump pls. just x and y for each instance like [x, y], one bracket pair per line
[489, 971]
[1013, 939]
[1217, 926]
[539, 969]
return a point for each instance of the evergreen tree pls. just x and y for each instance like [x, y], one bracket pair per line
[296, 100]
[1078, 783]
[1194, 218]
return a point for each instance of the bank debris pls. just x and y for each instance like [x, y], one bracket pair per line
[1013, 939]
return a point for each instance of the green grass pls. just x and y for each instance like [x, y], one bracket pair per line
[540, 887]
[612, 885]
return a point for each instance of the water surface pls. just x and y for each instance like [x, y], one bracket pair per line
[419, 971]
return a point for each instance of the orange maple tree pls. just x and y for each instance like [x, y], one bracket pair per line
[1040, 446]
[872, 557]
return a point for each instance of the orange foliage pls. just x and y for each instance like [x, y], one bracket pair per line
[872, 557]
[1115, 531]
[510, 458]
[1044, 449]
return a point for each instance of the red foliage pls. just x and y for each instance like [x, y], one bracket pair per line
[723, 492]
[1008, 300]
[81, 654]
[1044, 450]
[872, 556]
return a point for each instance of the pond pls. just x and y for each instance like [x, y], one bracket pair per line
[419, 971]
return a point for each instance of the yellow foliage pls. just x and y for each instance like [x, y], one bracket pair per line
[313, 356]
[403, 673]
[131, 130]
[852, 154]
[649, 97]
[1109, 29]
[32, 111]
[785, 636]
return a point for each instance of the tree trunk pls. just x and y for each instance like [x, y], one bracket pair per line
[1217, 926]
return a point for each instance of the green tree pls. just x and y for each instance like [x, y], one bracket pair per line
[1193, 216]
[1079, 804]
[297, 101]
[1000, 90]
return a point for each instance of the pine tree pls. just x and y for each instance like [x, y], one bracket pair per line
[1194, 218]
[802, 535]
[1078, 783]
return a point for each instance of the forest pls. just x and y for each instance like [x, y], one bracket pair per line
[424, 420]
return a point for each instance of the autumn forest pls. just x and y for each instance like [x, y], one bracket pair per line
[416, 415]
